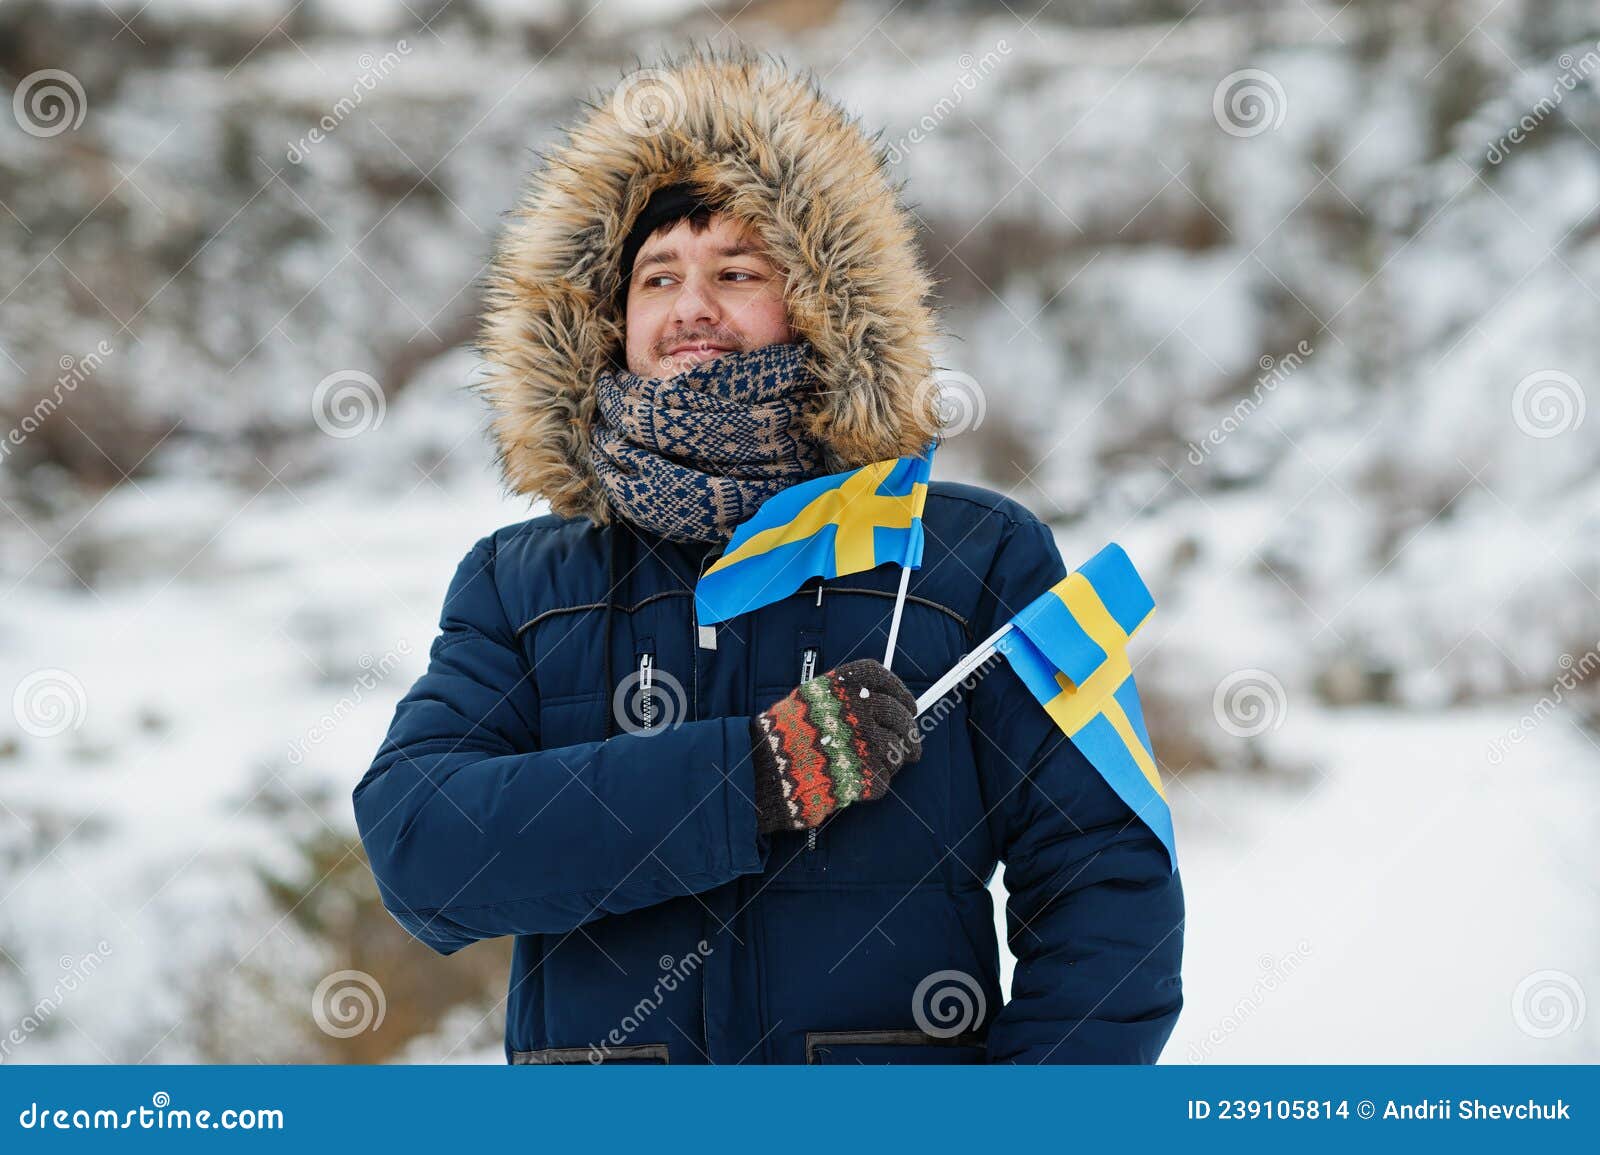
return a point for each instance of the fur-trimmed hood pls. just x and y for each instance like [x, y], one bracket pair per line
[792, 164]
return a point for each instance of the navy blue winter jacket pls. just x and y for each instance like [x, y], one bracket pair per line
[653, 922]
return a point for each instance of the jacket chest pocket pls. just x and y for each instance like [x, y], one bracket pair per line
[571, 720]
[646, 694]
[563, 660]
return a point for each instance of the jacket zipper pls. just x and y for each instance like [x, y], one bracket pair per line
[808, 666]
[647, 704]
[694, 714]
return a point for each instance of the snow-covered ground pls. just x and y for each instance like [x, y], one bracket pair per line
[1405, 901]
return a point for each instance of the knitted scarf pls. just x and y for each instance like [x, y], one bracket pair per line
[692, 456]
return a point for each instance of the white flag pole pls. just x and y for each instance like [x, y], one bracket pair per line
[980, 655]
[894, 624]
[905, 582]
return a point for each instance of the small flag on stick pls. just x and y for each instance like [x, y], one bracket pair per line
[1069, 647]
[825, 527]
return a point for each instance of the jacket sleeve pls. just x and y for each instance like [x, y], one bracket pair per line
[1094, 915]
[474, 831]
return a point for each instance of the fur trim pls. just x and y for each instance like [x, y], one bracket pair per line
[797, 168]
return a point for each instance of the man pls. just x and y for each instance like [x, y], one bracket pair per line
[744, 848]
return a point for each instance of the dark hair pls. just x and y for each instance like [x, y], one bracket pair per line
[665, 208]
[699, 219]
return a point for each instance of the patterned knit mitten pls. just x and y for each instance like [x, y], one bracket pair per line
[834, 739]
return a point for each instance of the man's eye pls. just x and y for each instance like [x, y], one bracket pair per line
[741, 273]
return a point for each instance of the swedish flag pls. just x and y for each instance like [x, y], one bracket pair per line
[1069, 647]
[829, 526]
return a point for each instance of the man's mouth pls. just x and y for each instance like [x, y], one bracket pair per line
[699, 350]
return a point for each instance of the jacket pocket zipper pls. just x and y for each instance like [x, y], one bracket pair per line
[647, 705]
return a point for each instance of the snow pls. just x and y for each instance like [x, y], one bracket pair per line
[1410, 884]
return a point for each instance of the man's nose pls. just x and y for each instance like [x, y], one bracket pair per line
[694, 305]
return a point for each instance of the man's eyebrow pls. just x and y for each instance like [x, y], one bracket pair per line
[737, 249]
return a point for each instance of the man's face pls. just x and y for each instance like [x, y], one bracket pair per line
[695, 296]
